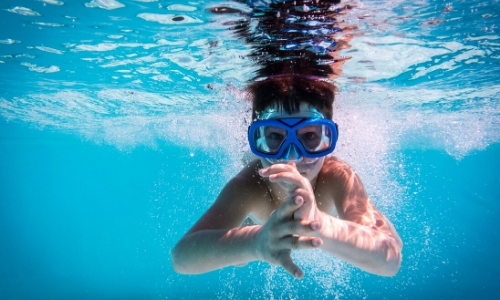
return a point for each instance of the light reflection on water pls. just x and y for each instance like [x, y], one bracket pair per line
[147, 66]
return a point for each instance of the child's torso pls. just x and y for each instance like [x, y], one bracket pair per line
[271, 202]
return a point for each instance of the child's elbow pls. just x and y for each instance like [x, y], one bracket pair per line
[177, 266]
[391, 268]
[178, 261]
[393, 258]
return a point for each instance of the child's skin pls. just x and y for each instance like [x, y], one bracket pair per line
[299, 214]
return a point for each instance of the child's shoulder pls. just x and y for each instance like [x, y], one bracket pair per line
[336, 167]
[249, 176]
[335, 162]
[248, 190]
[249, 170]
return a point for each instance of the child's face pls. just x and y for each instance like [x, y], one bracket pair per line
[307, 167]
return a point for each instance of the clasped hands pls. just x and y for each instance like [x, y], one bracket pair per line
[295, 225]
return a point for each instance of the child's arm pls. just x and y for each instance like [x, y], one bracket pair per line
[217, 240]
[362, 236]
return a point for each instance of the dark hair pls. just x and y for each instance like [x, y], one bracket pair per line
[288, 91]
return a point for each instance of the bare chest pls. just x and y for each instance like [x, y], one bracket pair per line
[274, 198]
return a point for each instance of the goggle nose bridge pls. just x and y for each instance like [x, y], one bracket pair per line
[287, 153]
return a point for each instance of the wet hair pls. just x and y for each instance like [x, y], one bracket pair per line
[287, 92]
[295, 49]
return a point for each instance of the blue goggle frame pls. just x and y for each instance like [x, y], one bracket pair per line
[291, 125]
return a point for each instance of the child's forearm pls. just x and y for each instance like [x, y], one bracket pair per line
[361, 246]
[208, 250]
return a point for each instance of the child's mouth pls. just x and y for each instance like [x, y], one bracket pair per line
[304, 170]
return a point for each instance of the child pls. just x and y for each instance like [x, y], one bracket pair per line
[297, 194]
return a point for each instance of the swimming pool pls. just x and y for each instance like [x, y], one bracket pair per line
[120, 123]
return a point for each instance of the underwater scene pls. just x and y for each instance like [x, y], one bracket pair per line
[122, 120]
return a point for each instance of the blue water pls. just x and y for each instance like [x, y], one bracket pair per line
[109, 157]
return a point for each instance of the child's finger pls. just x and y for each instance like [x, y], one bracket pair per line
[300, 227]
[287, 263]
[300, 242]
[298, 192]
[286, 209]
[288, 178]
[277, 168]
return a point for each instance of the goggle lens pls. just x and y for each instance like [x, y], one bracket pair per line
[315, 138]
[270, 138]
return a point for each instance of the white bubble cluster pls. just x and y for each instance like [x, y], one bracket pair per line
[24, 11]
[53, 2]
[168, 19]
[105, 4]
[40, 69]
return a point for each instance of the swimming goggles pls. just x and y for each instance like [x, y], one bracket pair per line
[282, 138]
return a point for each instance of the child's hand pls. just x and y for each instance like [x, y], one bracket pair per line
[281, 234]
[287, 176]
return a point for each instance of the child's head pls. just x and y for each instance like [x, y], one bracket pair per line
[296, 97]
[288, 92]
